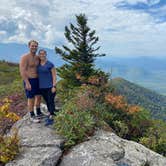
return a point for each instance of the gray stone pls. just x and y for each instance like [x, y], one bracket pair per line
[40, 145]
[107, 149]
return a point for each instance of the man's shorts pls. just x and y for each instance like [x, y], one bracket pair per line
[34, 88]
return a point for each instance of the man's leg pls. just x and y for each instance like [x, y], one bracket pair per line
[37, 104]
[31, 102]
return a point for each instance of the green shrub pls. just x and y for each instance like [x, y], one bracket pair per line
[9, 147]
[73, 124]
[120, 128]
[139, 124]
[155, 137]
[101, 114]
[8, 89]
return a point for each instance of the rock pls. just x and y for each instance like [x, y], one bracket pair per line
[107, 149]
[40, 146]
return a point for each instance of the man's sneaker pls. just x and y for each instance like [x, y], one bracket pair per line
[34, 119]
[49, 121]
[41, 115]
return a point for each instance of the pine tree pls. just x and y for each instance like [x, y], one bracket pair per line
[80, 58]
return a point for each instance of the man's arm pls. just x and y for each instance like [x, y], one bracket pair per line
[23, 71]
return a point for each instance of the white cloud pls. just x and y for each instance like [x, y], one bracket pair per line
[121, 32]
[153, 2]
[133, 2]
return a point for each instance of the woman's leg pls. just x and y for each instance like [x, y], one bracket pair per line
[51, 102]
[44, 93]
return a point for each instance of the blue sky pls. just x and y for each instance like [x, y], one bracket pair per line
[124, 27]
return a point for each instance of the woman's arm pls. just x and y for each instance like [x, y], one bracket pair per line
[53, 72]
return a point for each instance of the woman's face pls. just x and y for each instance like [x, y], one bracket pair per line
[42, 55]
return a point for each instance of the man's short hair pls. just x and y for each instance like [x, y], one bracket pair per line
[31, 41]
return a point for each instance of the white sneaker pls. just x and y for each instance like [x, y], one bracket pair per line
[34, 119]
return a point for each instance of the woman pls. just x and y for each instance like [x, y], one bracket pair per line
[47, 83]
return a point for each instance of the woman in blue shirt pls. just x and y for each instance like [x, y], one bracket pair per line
[47, 83]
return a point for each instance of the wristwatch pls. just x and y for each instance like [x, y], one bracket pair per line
[54, 86]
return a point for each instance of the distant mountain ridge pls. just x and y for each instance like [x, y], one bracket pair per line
[12, 52]
[138, 95]
[149, 72]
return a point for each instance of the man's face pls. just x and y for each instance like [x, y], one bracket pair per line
[33, 47]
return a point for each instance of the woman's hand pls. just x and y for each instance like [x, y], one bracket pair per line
[53, 89]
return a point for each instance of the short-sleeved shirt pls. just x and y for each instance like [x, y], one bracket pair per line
[45, 75]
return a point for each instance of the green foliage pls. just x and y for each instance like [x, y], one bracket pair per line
[11, 81]
[143, 97]
[81, 112]
[131, 122]
[65, 94]
[8, 72]
[128, 121]
[155, 137]
[139, 124]
[81, 57]
[9, 147]
[14, 87]
[101, 114]
[120, 128]
[73, 124]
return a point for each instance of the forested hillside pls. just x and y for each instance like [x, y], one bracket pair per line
[146, 98]
[10, 81]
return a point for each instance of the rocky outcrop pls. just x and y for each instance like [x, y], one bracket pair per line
[107, 149]
[39, 145]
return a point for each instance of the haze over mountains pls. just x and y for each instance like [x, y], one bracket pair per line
[149, 72]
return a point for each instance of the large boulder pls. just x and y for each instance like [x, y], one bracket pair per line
[39, 145]
[107, 149]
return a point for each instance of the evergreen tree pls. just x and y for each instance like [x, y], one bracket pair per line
[80, 58]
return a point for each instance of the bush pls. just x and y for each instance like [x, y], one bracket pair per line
[101, 114]
[12, 108]
[139, 124]
[9, 147]
[120, 128]
[4, 110]
[73, 124]
[155, 137]
[8, 89]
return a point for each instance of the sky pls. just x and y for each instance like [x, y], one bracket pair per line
[124, 27]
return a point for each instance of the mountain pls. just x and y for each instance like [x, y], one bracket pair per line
[138, 95]
[149, 72]
[12, 52]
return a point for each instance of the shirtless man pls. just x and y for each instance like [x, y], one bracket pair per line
[28, 70]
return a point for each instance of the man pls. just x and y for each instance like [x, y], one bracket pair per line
[28, 70]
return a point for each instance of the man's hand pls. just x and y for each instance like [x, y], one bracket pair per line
[28, 86]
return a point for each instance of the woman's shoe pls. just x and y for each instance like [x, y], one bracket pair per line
[49, 121]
